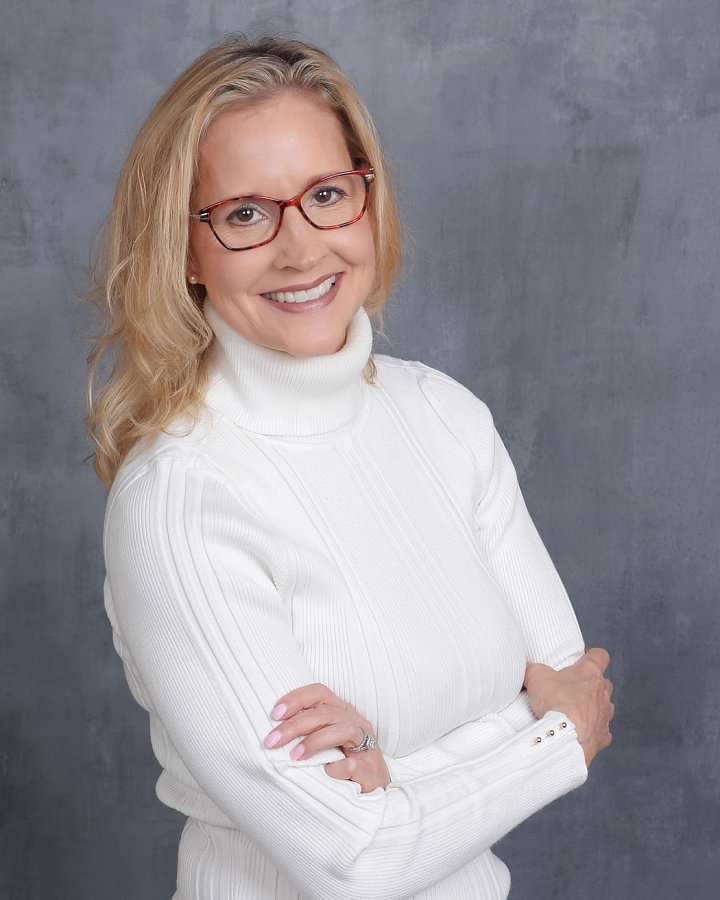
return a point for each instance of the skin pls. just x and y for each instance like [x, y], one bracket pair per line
[324, 720]
[276, 150]
[581, 692]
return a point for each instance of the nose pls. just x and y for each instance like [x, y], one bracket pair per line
[298, 245]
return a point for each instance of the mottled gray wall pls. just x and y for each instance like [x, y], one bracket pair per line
[557, 165]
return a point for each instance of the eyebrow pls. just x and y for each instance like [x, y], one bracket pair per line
[319, 177]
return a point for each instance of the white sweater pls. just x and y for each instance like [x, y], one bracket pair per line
[312, 527]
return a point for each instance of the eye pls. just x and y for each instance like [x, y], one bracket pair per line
[323, 194]
[242, 214]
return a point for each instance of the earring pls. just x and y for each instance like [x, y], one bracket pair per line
[193, 279]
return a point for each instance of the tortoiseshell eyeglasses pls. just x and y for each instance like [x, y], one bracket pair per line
[334, 201]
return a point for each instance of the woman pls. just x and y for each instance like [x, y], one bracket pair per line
[306, 540]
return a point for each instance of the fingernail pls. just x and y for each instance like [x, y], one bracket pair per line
[279, 711]
[297, 752]
[272, 739]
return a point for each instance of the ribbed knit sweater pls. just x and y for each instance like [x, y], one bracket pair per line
[311, 527]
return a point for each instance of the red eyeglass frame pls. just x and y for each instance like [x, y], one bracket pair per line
[203, 215]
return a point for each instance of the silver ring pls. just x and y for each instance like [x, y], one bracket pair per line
[367, 743]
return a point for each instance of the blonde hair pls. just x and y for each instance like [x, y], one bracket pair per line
[156, 329]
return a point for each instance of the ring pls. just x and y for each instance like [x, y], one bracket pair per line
[367, 743]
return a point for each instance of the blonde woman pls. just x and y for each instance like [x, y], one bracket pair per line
[360, 664]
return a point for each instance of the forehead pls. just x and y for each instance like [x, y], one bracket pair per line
[275, 148]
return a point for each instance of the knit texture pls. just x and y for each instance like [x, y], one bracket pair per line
[312, 527]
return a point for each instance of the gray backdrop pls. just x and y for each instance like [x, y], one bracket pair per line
[556, 162]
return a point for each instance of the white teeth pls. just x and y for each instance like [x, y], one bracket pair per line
[303, 296]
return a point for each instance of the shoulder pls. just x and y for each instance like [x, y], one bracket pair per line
[400, 375]
[456, 406]
[172, 509]
[191, 442]
[161, 472]
[165, 505]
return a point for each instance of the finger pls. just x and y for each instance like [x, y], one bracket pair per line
[612, 711]
[358, 770]
[301, 698]
[343, 768]
[599, 657]
[610, 687]
[304, 722]
[338, 735]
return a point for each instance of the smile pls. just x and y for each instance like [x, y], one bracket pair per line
[316, 298]
[303, 296]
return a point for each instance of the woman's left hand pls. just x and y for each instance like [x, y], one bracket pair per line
[327, 721]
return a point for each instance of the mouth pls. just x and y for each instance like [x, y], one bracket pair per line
[295, 288]
[320, 295]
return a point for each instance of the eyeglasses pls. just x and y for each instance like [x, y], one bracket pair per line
[241, 223]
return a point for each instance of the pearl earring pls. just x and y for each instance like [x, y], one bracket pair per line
[193, 279]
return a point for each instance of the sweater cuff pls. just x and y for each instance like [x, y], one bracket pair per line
[521, 724]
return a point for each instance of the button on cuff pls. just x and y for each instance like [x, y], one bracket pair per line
[550, 733]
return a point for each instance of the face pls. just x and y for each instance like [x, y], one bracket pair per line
[277, 150]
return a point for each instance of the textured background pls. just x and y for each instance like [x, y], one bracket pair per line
[556, 163]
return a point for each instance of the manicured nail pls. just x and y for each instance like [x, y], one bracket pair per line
[272, 739]
[279, 711]
[297, 752]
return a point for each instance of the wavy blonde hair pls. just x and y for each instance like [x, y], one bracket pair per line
[155, 327]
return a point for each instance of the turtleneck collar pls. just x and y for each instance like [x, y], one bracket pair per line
[271, 392]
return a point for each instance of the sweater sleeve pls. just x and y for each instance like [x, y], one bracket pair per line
[507, 537]
[191, 569]
[520, 562]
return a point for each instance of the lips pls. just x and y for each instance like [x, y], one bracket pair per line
[307, 306]
[292, 288]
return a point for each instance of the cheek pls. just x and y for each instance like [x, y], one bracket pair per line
[358, 246]
[203, 249]
[224, 271]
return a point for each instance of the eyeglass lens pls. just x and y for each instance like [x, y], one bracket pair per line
[246, 222]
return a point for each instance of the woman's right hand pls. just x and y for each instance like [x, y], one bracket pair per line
[581, 692]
